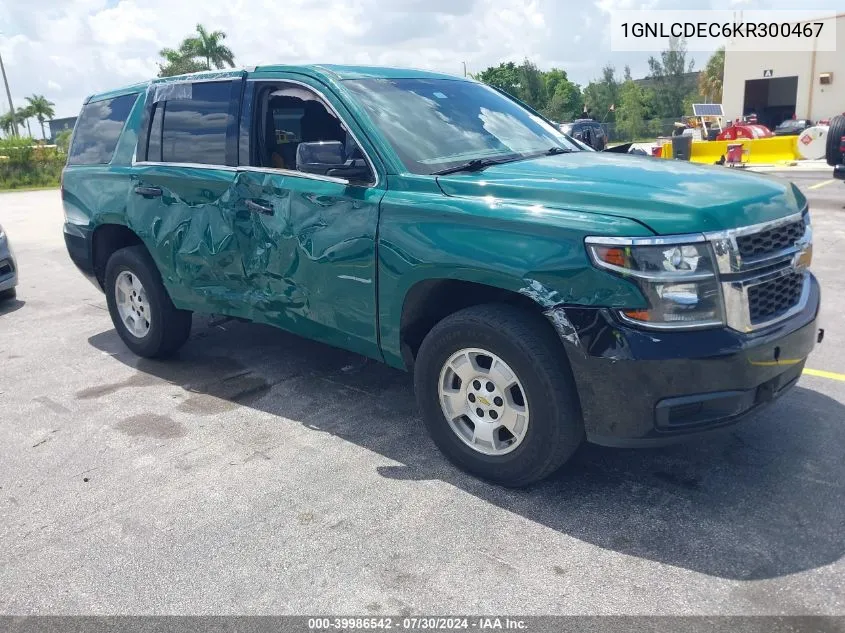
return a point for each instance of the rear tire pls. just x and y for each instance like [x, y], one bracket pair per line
[8, 295]
[143, 314]
[517, 342]
[834, 140]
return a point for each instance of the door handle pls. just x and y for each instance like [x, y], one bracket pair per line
[252, 205]
[148, 192]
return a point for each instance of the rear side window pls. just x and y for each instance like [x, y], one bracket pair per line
[192, 129]
[98, 130]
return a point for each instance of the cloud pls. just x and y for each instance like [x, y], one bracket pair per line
[68, 49]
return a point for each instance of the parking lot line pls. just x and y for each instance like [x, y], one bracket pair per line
[825, 374]
[821, 184]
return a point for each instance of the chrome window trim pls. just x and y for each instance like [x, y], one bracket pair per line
[152, 163]
[301, 174]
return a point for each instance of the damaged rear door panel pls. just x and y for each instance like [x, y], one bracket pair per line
[181, 198]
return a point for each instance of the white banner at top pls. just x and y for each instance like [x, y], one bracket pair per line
[705, 30]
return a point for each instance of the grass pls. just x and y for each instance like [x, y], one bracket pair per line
[35, 188]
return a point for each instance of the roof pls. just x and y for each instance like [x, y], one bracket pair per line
[328, 71]
[340, 72]
[381, 72]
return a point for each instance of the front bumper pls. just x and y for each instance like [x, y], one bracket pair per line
[641, 387]
[8, 266]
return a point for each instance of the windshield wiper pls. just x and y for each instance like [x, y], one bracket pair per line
[476, 164]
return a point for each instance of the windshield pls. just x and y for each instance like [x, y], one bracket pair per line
[789, 124]
[434, 124]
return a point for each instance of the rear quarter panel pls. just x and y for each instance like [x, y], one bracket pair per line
[97, 194]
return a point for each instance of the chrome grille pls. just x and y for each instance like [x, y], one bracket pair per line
[769, 300]
[770, 240]
[760, 270]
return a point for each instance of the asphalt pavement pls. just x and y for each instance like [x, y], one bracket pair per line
[265, 474]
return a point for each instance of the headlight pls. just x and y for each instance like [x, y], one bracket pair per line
[677, 278]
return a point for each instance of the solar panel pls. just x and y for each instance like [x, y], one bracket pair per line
[707, 109]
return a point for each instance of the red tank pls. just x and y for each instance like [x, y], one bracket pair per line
[744, 130]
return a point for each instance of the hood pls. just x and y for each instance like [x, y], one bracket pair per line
[668, 196]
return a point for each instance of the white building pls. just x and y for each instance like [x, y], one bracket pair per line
[776, 86]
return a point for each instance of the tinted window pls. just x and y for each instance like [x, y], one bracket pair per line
[192, 130]
[98, 130]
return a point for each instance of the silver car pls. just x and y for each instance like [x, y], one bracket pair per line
[8, 268]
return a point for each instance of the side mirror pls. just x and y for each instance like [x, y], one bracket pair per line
[328, 158]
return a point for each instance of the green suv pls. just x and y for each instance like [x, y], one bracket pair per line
[541, 294]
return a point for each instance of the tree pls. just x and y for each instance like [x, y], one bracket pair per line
[505, 77]
[210, 47]
[711, 79]
[669, 72]
[7, 123]
[178, 63]
[564, 101]
[200, 52]
[632, 112]
[532, 88]
[42, 109]
[24, 115]
[11, 121]
[63, 140]
[600, 95]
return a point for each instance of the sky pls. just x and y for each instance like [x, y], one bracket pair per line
[69, 49]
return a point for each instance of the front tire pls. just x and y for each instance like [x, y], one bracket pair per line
[9, 294]
[497, 394]
[140, 308]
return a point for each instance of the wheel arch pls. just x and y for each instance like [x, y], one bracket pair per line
[429, 301]
[106, 239]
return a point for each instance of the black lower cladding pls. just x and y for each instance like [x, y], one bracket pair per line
[78, 242]
[648, 387]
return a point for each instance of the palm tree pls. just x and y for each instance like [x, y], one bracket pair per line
[179, 62]
[210, 47]
[42, 109]
[710, 80]
[11, 121]
[24, 115]
[7, 124]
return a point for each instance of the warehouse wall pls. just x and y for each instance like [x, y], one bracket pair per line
[813, 100]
